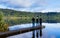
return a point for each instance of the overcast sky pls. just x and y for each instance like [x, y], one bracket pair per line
[32, 5]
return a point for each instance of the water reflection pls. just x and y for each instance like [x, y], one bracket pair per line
[52, 30]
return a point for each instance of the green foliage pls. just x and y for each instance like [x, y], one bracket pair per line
[3, 26]
[21, 14]
[1, 15]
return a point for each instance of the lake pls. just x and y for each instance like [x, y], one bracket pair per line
[51, 30]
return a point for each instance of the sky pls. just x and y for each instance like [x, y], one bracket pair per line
[31, 5]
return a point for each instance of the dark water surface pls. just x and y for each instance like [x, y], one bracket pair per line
[51, 30]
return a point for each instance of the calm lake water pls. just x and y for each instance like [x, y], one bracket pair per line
[51, 30]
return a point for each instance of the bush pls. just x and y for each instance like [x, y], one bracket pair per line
[3, 25]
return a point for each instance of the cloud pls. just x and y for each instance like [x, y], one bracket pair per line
[24, 3]
[51, 10]
[31, 5]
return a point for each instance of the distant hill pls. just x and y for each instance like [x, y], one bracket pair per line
[44, 16]
[10, 12]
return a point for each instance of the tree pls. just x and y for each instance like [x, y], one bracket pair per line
[3, 25]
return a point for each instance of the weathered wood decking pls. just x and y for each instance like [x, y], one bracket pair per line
[23, 30]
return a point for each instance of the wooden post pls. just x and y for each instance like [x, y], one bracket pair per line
[33, 22]
[41, 27]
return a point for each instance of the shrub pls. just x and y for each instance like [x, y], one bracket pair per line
[3, 25]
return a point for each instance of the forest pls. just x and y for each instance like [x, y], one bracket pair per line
[25, 17]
